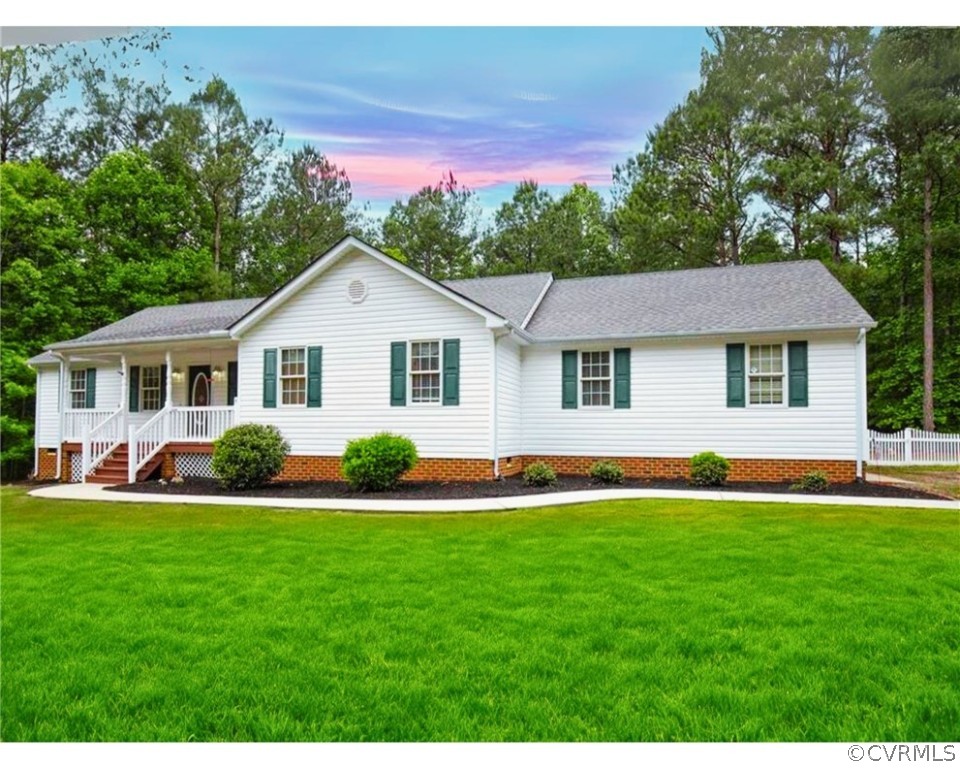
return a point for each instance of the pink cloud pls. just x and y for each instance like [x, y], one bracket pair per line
[391, 176]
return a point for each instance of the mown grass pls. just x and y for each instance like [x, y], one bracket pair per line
[650, 620]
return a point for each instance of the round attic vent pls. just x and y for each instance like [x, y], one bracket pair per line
[356, 291]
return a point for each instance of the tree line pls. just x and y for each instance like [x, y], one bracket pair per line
[838, 144]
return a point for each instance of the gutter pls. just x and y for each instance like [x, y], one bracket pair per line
[108, 343]
[691, 334]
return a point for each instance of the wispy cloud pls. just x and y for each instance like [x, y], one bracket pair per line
[533, 96]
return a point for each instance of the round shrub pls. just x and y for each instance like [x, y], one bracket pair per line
[248, 455]
[376, 463]
[607, 472]
[708, 468]
[539, 474]
[814, 481]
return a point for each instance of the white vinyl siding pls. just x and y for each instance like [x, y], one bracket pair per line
[47, 425]
[678, 405]
[509, 397]
[356, 341]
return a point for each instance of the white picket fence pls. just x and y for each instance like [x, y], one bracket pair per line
[914, 446]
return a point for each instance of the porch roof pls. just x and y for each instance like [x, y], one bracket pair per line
[174, 322]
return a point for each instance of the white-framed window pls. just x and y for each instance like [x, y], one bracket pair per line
[765, 374]
[78, 389]
[425, 371]
[293, 376]
[595, 379]
[150, 388]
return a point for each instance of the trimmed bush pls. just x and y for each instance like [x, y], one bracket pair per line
[814, 481]
[248, 455]
[539, 474]
[376, 463]
[607, 472]
[708, 468]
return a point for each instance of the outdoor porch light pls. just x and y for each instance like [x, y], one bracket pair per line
[176, 374]
[217, 373]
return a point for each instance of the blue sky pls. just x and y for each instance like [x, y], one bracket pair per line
[397, 107]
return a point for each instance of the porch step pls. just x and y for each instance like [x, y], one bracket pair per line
[113, 470]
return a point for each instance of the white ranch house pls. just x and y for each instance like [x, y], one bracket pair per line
[763, 364]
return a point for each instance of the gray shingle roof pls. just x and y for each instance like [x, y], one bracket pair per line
[512, 296]
[783, 295]
[44, 358]
[780, 295]
[170, 321]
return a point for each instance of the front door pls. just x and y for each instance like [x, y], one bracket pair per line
[200, 385]
[198, 424]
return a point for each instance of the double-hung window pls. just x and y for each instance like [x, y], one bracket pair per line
[150, 388]
[766, 374]
[78, 389]
[595, 379]
[424, 371]
[293, 376]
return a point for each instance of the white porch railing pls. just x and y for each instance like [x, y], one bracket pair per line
[187, 425]
[75, 421]
[203, 425]
[914, 446]
[100, 441]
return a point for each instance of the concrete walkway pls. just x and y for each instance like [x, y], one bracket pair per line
[91, 492]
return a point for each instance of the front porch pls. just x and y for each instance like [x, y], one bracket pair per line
[182, 398]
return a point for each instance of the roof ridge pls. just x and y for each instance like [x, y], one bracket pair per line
[704, 268]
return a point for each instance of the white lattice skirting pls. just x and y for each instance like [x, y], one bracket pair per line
[76, 467]
[193, 464]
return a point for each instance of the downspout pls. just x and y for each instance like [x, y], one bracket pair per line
[495, 410]
[861, 379]
[61, 416]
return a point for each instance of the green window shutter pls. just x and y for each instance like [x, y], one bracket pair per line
[134, 375]
[621, 378]
[736, 376]
[398, 373]
[797, 360]
[91, 388]
[451, 371]
[314, 376]
[163, 387]
[270, 378]
[231, 382]
[569, 378]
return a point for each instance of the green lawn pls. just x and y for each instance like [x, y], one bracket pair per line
[634, 620]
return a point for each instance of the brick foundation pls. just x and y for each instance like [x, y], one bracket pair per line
[328, 468]
[756, 470]
[747, 470]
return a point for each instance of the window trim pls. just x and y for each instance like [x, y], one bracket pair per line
[82, 390]
[609, 379]
[281, 377]
[411, 373]
[784, 378]
[143, 388]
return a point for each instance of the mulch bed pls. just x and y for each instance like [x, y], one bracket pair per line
[511, 486]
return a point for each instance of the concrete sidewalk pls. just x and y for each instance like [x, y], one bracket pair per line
[91, 492]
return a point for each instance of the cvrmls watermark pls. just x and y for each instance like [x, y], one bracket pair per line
[903, 753]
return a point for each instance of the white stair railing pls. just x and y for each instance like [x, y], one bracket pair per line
[100, 441]
[74, 421]
[144, 443]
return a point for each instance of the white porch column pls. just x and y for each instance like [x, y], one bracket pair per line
[64, 373]
[124, 390]
[169, 402]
